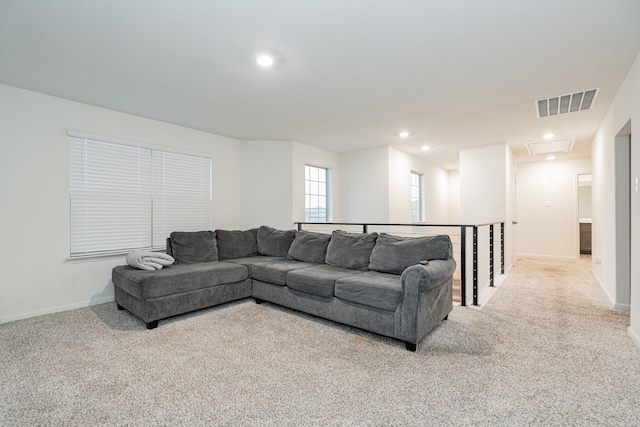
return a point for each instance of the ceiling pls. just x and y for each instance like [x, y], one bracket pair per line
[349, 74]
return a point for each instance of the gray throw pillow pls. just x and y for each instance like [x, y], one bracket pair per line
[234, 244]
[392, 254]
[309, 246]
[350, 250]
[190, 247]
[272, 242]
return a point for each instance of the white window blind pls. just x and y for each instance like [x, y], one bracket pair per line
[181, 194]
[124, 197]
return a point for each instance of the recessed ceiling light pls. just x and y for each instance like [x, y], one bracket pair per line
[404, 134]
[551, 157]
[264, 60]
[548, 135]
[425, 148]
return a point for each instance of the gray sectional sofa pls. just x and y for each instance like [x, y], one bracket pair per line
[400, 287]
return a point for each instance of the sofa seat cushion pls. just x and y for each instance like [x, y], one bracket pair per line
[250, 261]
[174, 279]
[373, 289]
[256, 259]
[276, 272]
[318, 280]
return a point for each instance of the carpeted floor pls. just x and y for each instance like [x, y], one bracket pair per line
[546, 350]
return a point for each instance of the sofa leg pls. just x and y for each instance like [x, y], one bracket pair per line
[259, 301]
[152, 325]
[410, 346]
[119, 306]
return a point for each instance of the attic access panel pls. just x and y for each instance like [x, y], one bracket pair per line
[550, 146]
[579, 101]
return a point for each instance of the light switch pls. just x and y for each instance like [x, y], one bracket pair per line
[547, 203]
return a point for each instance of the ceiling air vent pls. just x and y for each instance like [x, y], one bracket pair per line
[550, 146]
[578, 101]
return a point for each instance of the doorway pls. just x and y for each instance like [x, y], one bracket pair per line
[584, 213]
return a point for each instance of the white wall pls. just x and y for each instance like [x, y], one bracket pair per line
[266, 179]
[376, 187]
[306, 154]
[483, 184]
[603, 228]
[548, 207]
[584, 201]
[510, 228]
[272, 182]
[625, 108]
[453, 180]
[254, 183]
[435, 188]
[365, 185]
[34, 213]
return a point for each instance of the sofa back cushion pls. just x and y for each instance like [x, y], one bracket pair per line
[190, 247]
[350, 250]
[309, 246]
[392, 254]
[234, 244]
[272, 242]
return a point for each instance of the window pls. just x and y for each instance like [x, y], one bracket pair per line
[416, 197]
[124, 197]
[316, 206]
[181, 194]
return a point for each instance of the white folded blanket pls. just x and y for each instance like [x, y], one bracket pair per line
[147, 260]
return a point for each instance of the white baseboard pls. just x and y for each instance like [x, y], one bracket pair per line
[622, 307]
[49, 310]
[634, 336]
[604, 289]
[542, 256]
[614, 304]
[486, 292]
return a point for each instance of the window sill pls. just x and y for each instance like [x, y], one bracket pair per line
[72, 259]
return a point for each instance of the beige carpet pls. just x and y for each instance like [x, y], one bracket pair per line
[546, 350]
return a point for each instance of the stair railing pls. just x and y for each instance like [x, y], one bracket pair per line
[479, 253]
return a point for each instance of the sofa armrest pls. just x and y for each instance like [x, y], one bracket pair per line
[419, 278]
[426, 298]
[169, 249]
